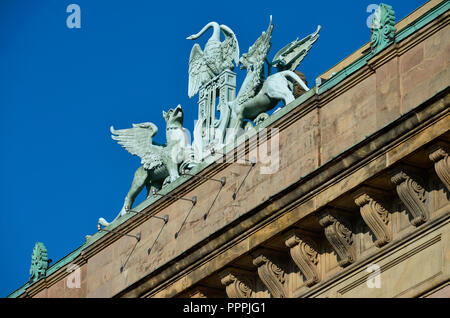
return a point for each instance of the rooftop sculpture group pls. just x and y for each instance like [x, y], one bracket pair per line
[211, 76]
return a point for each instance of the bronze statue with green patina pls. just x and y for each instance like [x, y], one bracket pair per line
[160, 163]
[259, 94]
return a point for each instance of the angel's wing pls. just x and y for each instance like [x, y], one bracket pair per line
[229, 48]
[138, 140]
[259, 50]
[198, 73]
[289, 57]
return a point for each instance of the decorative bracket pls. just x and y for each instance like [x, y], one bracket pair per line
[238, 284]
[270, 273]
[438, 153]
[305, 254]
[374, 215]
[412, 194]
[338, 232]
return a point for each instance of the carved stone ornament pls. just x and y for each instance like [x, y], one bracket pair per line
[271, 274]
[374, 215]
[305, 254]
[338, 232]
[39, 262]
[383, 28]
[237, 284]
[412, 194]
[439, 155]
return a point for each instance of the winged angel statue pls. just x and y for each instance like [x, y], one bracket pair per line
[159, 162]
[216, 57]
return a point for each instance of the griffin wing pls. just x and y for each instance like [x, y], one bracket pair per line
[229, 48]
[289, 57]
[254, 59]
[198, 73]
[139, 141]
[259, 50]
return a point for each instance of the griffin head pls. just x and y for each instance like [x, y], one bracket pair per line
[243, 61]
[246, 61]
[174, 117]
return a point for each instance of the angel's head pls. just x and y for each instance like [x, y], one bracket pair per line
[174, 117]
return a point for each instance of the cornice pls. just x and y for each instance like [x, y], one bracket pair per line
[290, 198]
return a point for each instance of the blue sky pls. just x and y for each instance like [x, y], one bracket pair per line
[61, 89]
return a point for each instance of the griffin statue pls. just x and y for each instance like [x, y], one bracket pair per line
[160, 163]
[259, 94]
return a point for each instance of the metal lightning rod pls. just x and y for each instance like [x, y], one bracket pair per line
[222, 180]
[193, 200]
[252, 160]
[248, 172]
[137, 236]
[154, 242]
[165, 218]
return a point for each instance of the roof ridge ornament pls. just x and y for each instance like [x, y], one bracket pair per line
[383, 28]
[39, 262]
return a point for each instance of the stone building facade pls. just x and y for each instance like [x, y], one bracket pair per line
[359, 205]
